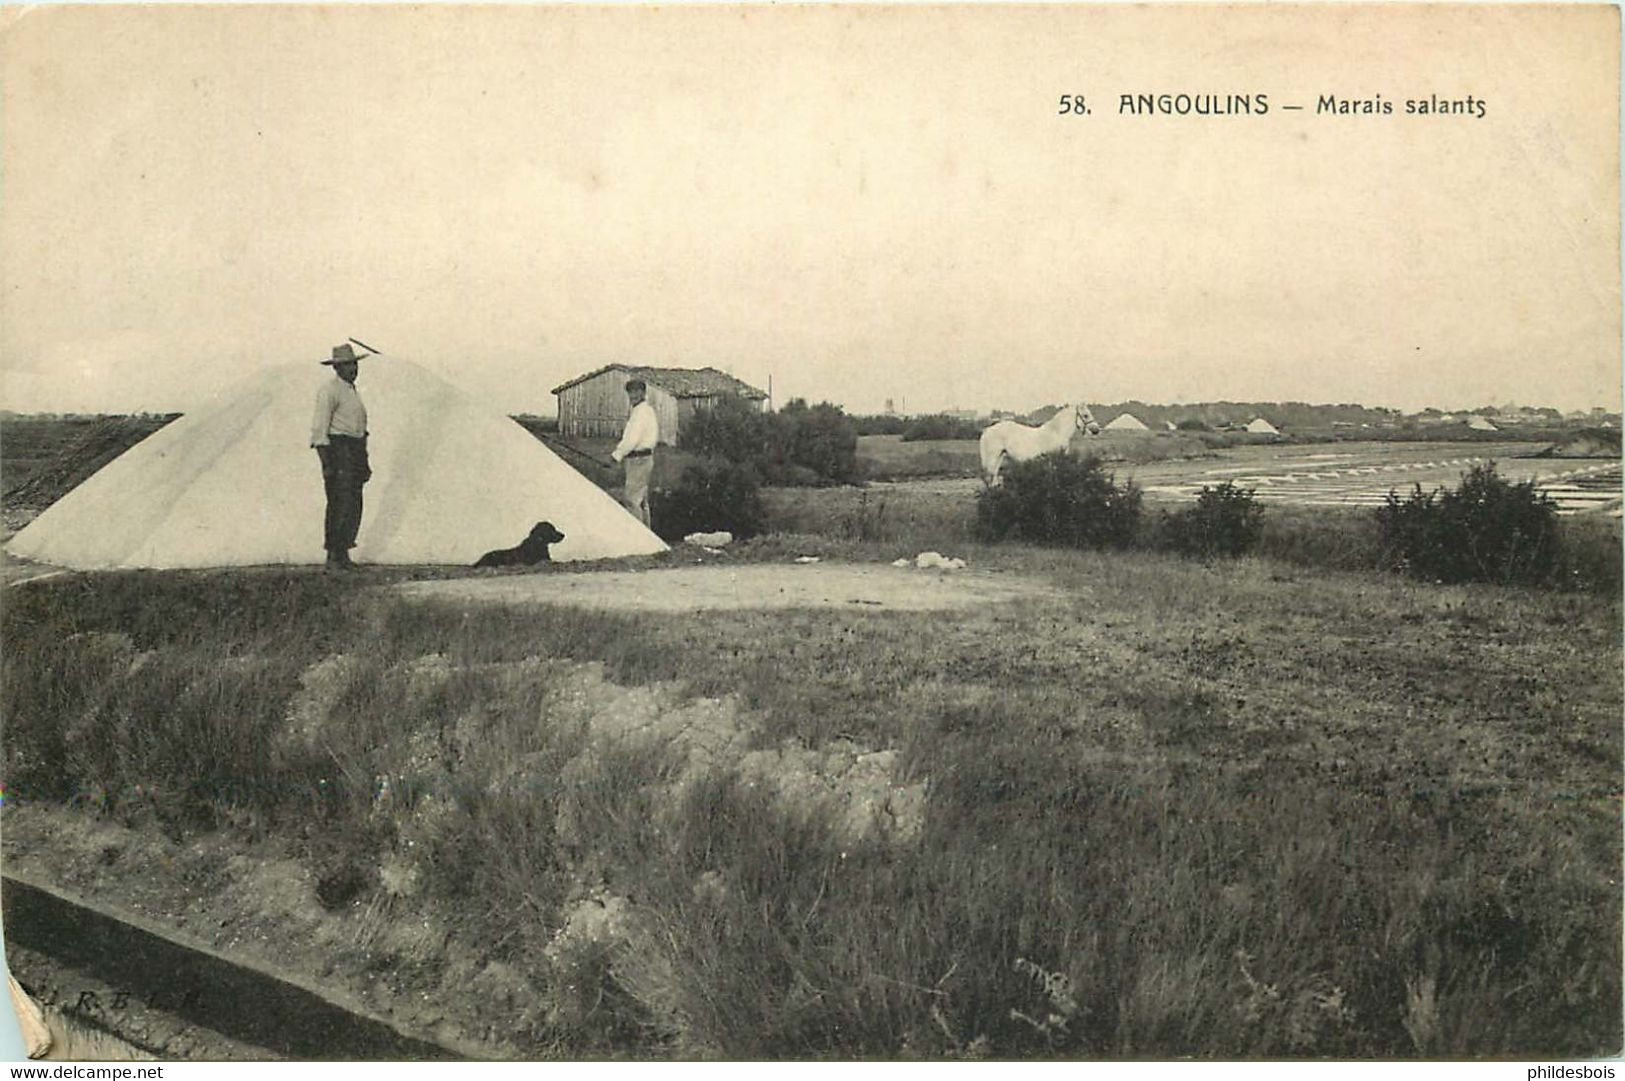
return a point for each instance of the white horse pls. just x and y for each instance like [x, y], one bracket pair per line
[1018, 442]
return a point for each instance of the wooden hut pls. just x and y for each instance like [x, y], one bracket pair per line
[594, 405]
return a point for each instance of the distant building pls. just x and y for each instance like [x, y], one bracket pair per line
[1260, 426]
[1126, 422]
[594, 405]
[1481, 424]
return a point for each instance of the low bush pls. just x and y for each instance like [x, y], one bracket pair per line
[818, 437]
[731, 428]
[800, 445]
[1056, 499]
[709, 498]
[1488, 529]
[1225, 521]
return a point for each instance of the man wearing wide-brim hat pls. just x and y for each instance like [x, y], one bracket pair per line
[339, 434]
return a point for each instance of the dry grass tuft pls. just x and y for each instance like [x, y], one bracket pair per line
[1169, 810]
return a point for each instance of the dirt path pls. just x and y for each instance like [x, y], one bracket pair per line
[689, 589]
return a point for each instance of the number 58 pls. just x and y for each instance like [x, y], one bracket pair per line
[1072, 103]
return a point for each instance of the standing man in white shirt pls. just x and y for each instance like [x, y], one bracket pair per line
[636, 449]
[339, 434]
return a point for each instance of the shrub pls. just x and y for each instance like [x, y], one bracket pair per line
[1226, 521]
[820, 437]
[1486, 530]
[709, 498]
[731, 428]
[1057, 499]
[801, 445]
[941, 427]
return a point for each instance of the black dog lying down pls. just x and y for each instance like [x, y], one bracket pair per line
[532, 550]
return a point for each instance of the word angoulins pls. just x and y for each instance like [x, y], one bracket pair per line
[1197, 104]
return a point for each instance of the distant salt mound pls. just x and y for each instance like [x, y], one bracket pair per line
[1586, 443]
[235, 484]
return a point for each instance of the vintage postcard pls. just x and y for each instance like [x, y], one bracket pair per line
[807, 532]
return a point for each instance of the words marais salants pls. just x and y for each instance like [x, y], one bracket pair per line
[1377, 105]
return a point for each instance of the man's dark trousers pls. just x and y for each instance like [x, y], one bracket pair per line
[344, 471]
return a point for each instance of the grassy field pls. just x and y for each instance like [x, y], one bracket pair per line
[41, 457]
[887, 457]
[1284, 806]
[891, 520]
[1234, 810]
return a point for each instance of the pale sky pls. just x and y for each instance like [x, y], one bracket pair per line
[863, 203]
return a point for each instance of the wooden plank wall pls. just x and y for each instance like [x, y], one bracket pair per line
[596, 408]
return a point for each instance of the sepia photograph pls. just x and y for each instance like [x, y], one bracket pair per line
[906, 533]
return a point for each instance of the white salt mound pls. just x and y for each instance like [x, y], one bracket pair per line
[235, 483]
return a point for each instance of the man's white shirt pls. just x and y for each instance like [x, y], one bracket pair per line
[338, 412]
[642, 431]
